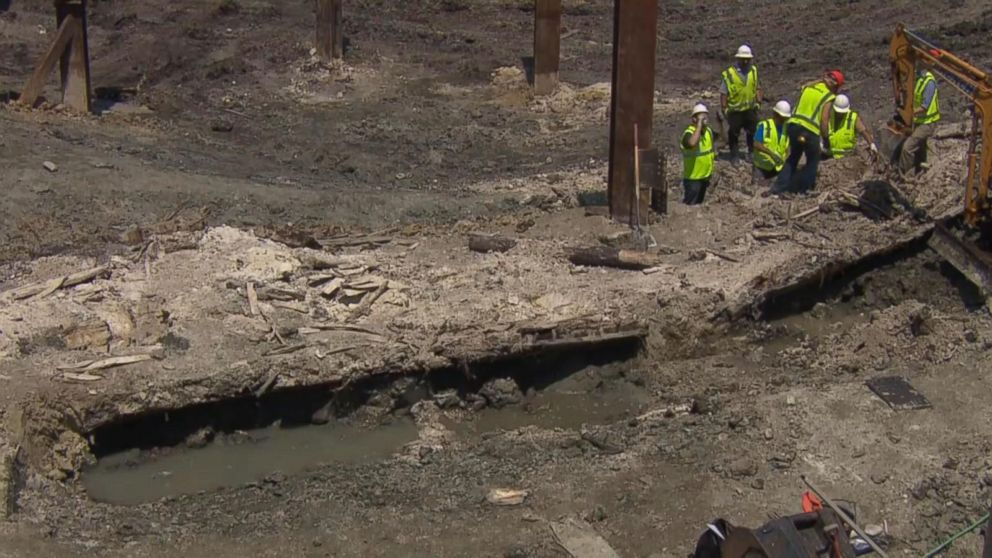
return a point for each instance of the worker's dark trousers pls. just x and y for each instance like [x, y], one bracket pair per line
[736, 121]
[802, 142]
[695, 190]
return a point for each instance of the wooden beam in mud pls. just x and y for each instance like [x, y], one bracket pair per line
[330, 34]
[547, 45]
[635, 26]
[71, 50]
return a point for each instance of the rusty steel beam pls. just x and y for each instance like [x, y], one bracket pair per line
[330, 34]
[547, 45]
[635, 26]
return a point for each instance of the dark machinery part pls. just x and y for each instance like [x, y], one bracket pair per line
[908, 49]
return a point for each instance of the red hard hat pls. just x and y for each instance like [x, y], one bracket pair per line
[838, 77]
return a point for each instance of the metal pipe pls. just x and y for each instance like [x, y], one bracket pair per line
[843, 515]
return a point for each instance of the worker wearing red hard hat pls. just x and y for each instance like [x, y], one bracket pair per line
[809, 132]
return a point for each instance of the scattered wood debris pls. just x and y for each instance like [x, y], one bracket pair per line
[605, 256]
[506, 497]
[48, 287]
[90, 365]
[252, 299]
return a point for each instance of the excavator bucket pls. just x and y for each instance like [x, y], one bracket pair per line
[974, 263]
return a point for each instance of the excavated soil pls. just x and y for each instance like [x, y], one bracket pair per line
[275, 242]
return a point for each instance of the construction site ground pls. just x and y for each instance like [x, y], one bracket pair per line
[252, 234]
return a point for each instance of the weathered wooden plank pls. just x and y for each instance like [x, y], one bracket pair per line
[547, 45]
[67, 30]
[330, 34]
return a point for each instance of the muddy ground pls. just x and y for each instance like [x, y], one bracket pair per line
[223, 154]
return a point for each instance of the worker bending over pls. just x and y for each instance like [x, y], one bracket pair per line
[740, 95]
[925, 115]
[845, 125]
[808, 132]
[697, 156]
[771, 144]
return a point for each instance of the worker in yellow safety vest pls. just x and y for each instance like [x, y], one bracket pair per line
[698, 155]
[771, 144]
[808, 132]
[844, 127]
[740, 95]
[926, 114]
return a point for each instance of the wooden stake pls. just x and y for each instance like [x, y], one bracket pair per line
[330, 35]
[547, 45]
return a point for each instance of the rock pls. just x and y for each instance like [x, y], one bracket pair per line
[951, 463]
[447, 399]
[277, 477]
[769, 435]
[879, 478]
[133, 236]
[200, 438]
[790, 401]
[500, 392]
[742, 468]
[602, 440]
[758, 484]
[920, 322]
[970, 336]
[221, 126]
[50, 166]
[408, 390]
[596, 515]
[93, 334]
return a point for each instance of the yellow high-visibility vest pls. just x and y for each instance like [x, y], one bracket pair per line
[777, 142]
[933, 113]
[844, 137]
[697, 162]
[812, 101]
[741, 95]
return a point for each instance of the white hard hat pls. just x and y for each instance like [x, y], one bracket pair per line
[700, 107]
[783, 108]
[842, 104]
[744, 51]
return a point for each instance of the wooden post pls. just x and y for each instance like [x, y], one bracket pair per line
[70, 49]
[75, 62]
[635, 26]
[547, 45]
[330, 35]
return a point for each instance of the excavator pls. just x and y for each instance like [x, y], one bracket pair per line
[963, 247]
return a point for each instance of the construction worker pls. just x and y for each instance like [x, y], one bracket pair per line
[845, 126]
[740, 95]
[809, 133]
[697, 156]
[771, 144]
[926, 114]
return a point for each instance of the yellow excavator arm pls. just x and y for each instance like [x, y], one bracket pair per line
[907, 50]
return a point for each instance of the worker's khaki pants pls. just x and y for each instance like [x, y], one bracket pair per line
[911, 148]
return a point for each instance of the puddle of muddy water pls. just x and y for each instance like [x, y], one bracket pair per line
[134, 477]
[566, 404]
[121, 479]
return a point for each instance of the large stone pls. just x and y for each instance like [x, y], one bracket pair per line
[500, 392]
